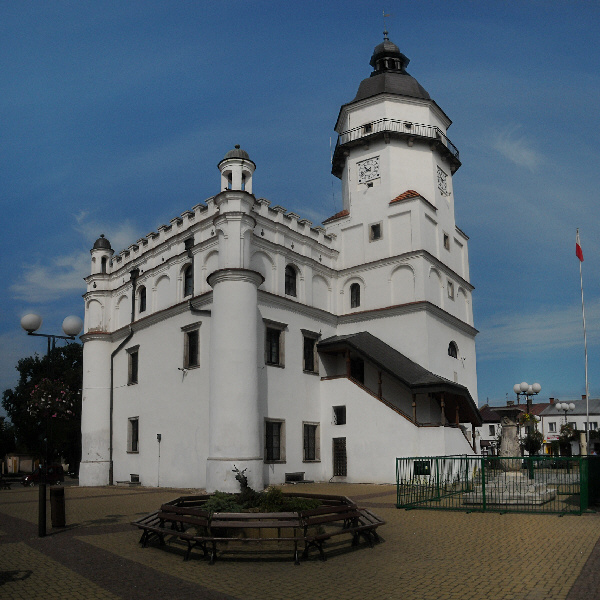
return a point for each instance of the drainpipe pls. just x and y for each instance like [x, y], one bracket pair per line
[134, 275]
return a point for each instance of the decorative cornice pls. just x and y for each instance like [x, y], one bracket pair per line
[411, 307]
[275, 301]
[162, 315]
[235, 274]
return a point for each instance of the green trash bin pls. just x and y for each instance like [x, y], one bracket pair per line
[57, 506]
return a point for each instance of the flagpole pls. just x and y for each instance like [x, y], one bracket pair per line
[587, 391]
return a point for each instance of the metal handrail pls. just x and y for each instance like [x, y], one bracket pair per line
[395, 126]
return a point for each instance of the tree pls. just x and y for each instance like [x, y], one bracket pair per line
[45, 405]
[7, 438]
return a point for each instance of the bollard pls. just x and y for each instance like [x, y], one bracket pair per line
[57, 506]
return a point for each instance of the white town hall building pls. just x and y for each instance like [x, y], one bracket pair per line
[239, 334]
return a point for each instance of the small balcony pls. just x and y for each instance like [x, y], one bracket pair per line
[387, 128]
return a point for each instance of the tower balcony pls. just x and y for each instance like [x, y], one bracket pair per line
[387, 128]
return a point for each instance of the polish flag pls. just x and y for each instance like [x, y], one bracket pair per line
[578, 250]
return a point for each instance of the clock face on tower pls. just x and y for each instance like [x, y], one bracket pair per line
[368, 169]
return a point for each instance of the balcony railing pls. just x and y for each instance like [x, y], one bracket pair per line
[405, 128]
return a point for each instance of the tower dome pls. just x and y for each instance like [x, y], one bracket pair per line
[389, 74]
[101, 243]
[237, 152]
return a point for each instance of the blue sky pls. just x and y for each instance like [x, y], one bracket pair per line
[114, 115]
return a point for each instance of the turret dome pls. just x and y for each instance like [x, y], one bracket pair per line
[101, 243]
[237, 152]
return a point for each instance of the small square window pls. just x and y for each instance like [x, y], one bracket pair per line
[450, 290]
[133, 434]
[311, 442]
[375, 232]
[133, 365]
[446, 241]
[274, 440]
[368, 128]
[339, 415]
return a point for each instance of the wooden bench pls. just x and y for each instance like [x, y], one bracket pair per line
[222, 523]
[186, 523]
[185, 519]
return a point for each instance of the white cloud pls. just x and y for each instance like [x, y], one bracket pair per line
[61, 276]
[541, 330]
[517, 148]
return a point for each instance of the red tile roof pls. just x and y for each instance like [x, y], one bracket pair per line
[408, 194]
[342, 213]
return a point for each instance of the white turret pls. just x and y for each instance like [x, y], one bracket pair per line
[236, 170]
[101, 255]
[235, 432]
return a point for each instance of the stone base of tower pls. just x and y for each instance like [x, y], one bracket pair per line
[221, 476]
[94, 473]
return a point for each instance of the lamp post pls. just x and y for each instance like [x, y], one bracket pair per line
[71, 326]
[528, 391]
[566, 407]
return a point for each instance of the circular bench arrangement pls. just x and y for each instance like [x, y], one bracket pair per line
[188, 519]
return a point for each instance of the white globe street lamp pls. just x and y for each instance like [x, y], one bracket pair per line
[566, 407]
[71, 326]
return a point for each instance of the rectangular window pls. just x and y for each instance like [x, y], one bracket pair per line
[274, 441]
[311, 435]
[272, 346]
[552, 427]
[492, 430]
[133, 368]
[191, 345]
[133, 434]
[339, 415]
[310, 359]
[368, 128]
[274, 343]
[446, 241]
[573, 426]
[450, 290]
[593, 425]
[375, 232]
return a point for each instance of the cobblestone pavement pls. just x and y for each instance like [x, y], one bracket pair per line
[424, 555]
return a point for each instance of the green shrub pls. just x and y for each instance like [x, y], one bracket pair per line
[222, 502]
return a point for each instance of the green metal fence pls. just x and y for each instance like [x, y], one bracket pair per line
[521, 484]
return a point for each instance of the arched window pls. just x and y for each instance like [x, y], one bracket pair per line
[188, 281]
[453, 350]
[354, 295]
[142, 296]
[290, 281]
[103, 264]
